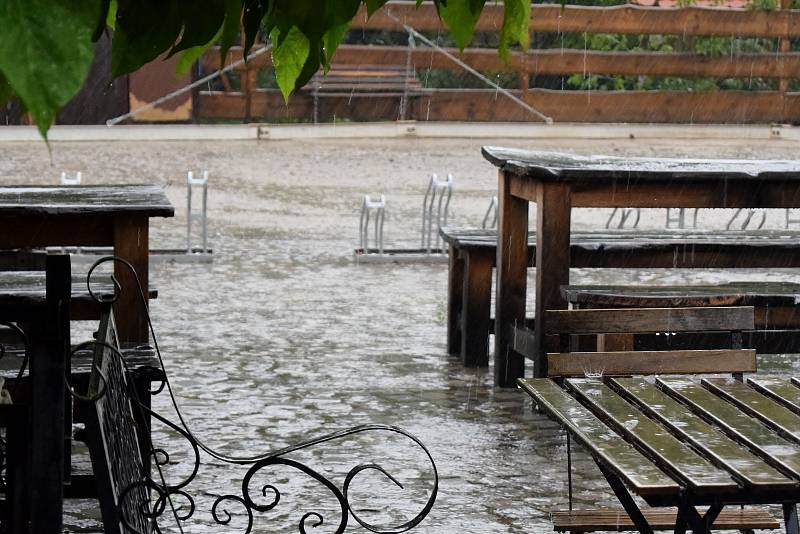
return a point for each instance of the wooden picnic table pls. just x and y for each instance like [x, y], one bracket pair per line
[116, 215]
[558, 182]
[682, 443]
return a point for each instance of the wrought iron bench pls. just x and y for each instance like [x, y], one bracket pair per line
[473, 255]
[132, 497]
[675, 443]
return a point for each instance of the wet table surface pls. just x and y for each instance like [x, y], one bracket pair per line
[717, 440]
[116, 215]
[557, 182]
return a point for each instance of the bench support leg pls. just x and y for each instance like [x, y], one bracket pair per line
[630, 506]
[512, 281]
[455, 301]
[790, 518]
[475, 323]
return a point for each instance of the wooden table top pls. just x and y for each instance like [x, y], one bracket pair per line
[143, 199]
[560, 166]
[723, 440]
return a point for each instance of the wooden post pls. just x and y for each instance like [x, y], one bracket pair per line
[553, 211]
[512, 269]
[455, 301]
[131, 242]
[476, 306]
[783, 82]
[249, 86]
[49, 353]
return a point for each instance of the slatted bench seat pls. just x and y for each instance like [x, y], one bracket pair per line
[26, 285]
[673, 441]
[473, 255]
[374, 81]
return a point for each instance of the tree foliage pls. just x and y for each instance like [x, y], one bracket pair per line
[46, 45]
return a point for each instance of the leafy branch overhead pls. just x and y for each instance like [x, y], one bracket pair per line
[46, 47]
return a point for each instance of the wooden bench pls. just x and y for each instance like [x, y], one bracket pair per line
[373, 81]
[473, 255]
[644, 439]
[777, 315]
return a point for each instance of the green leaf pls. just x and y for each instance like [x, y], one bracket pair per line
[144, 30]
[253, 13]
[460, 16]
[230, 28]
[5, 90]
[375, 5]
[200, 24]
[190, 55]
[289, 55]
[101, 20]
[111, 16]
[338, 16]
[516, 21]
[46, 51]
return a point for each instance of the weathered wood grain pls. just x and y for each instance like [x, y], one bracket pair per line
[651, 362]
[629, 320]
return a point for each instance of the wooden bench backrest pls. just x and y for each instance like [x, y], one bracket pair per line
[649, 320]
[113, 443]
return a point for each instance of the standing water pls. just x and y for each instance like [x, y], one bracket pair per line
[283, 337]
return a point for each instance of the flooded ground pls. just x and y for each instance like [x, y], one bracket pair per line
[284, 337]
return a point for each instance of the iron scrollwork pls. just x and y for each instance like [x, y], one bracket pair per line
[251, 500]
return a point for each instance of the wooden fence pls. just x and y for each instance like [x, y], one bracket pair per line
[718, 106]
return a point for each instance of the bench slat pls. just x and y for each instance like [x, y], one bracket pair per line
[578, 364]
[781, 389]
[728, 294]
[670, 454]
[659, 519]
[784, 454]
[625, 461]
[746, 467]
[754, 403]
[600, 321]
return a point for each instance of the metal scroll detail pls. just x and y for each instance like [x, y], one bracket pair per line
[253, 498]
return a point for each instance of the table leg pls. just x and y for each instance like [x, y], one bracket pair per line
[475, 323]
[790, 518]
[455, 301]
[553, 211]
[49, 351]
[512, 270]
[131, 242]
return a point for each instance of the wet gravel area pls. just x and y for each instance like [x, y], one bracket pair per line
[284, 337]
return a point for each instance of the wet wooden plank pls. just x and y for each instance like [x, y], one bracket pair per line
[670, 454]
[782, 389]
[559, 166]
[728, 294]
[778, 417]
[601, 442]
[617, 520]
[599, 321]
[780, 452]
[652, 362]
[148, 200]
[723, 452]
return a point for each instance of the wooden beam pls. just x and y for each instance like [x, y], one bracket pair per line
[599, 321]
[627, 19]
[651, 362]
[735, 107]
[557, 61]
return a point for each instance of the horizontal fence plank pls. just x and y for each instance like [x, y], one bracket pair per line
[552, 62]
[627, 19]
[660, 362]
[600, 321]
[737, 107]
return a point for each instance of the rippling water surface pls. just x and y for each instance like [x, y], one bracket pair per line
[284, 337]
